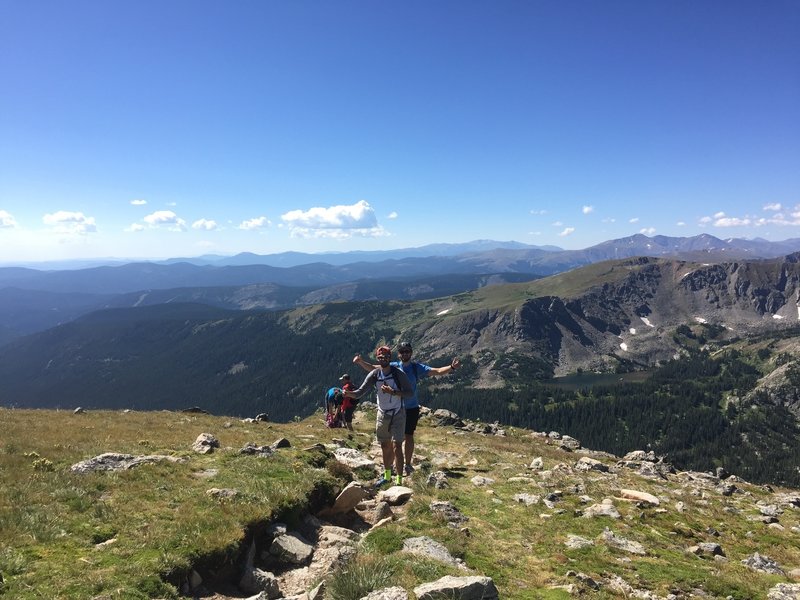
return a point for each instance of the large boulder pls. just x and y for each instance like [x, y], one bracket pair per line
[458, 588]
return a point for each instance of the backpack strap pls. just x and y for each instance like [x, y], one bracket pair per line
[397, 381]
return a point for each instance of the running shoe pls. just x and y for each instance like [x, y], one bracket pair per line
[408, 469]
[380, 483]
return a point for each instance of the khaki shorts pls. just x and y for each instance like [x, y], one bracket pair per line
[391, 425]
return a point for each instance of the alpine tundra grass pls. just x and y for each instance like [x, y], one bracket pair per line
[137, 533]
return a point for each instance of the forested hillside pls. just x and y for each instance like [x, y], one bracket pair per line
[688, 410]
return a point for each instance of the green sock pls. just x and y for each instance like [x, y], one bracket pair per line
[387, 474]
[399, 479]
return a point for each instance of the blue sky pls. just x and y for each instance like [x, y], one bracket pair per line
[179, 128]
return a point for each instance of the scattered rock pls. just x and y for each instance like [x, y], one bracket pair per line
[438, 480]
[396, 495]
[222, 493]
[348, 499]
[480, 480]
[353, 458]
[615, 541]
[448, 512]
[569, 443]
[291, 548]
[784, 591]
[458, 588]
[604, 509]
[112, 461]
[252, 449]
[391, 593]
[78, 411]
[446, 418]
[205, 443]
[537, 464]
[763, 563]
[590, 464]
[527, 499]
[281, 443]
[706, 549]
[429, 548]
[576, 542]
[638, 496]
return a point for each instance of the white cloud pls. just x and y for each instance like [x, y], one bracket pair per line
[337, 222]
[705, 220]
[633, 220]
[135, 227]
[558, 224]
[719, 215]
[255, 223]
[681, 224]
[587, 209]
[64, 221]
[567, 231]
[7, 221]
[138, 202]
[392, 215]
[609, 220]
[538, 212]
[731, 222]
[648, 230]
[208, 225]
[167, 218]
[774, 206]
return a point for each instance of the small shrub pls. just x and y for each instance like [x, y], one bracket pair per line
[339, 470]
[42, 464]
[359, 577]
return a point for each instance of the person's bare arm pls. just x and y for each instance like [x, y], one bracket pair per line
[454, 364]
[357, 360]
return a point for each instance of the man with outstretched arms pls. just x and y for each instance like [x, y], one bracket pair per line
[415, 371]
[392, 387]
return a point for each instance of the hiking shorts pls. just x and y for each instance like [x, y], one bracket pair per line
[412, 416]
[348, 414]
[390, 425]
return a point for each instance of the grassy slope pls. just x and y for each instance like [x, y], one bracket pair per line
[162, 520]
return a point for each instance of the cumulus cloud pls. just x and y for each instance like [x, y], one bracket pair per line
[206, 224]
[731, 222]
[64, 221]
[138, 202]
[341, 221]
[705, 220]
[648, 230]
[567, 231]
[587, 209]
[255, 223]
[681, 224]
[7, 221]
[774, 206]
[134, 227]
[633, 220]
[719, 215]
[392, 215]
[166, 218]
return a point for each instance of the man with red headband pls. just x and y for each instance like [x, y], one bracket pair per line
[392, 386]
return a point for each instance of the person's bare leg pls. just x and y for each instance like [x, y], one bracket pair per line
[398, 458]
[409, 451]
[388, 454]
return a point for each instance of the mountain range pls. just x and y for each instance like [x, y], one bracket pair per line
[35, 299]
